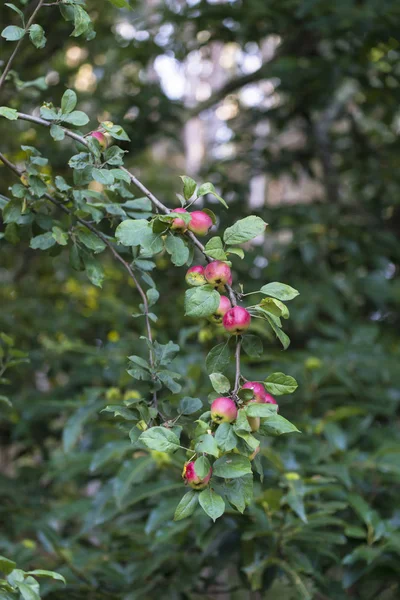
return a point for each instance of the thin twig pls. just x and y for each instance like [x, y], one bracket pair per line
[237, 365]
[17, 47]
[162, 208]
[153, 199]
[114, 252]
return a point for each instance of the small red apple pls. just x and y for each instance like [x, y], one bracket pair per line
[224, 306]
[223, 410]
[195, 276]
[200, 222]
[191, 478]
[237, 320]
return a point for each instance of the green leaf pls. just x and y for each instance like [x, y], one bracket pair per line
[208, 188]
[111, 451]
[189, 186]
[13, 33]
[77, 118]
[279, 384]
[165, 353]
[43, 573]
[9, 113]
[252, 346]
[220, 383]
[271, 306]
[206, 443]
[281, 291]
[281, 335]
[90, 240]
[139, 233]
[7, 402]
[43, 241]
[14, 8]
[201, 301]
[214, 249]
[48, 113]
[277, 425]
[186, 506]
[73, 427]
[82, 21]
[178, 249]
[94, 270]
[244, 230]
[57, 133]
[189, 406]
[116, 132]
[80, 161]
[238, 251]
[161, 439]
[7, 565]
[225, 437]
[218, 358]
[114, 156]
[231, 466]
[37, 36]
[103, 176]
[60, 236]
[239, 492]
[68, 102]
[202, 466]
[61, 184]
[212, 503]
[27, 592]
[257, 409]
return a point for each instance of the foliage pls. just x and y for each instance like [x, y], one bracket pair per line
[92, 482]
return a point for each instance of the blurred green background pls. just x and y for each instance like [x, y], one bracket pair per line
[291, 109]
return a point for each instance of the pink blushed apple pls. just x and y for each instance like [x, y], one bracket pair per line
[224, 306]
[236, 320]
[217, 273]
[200, 222]
[223, 410]
[101, 138]
[195, 276]
[192, 479]
[258, 390]
[179, 224]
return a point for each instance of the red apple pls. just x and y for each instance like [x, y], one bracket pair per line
[223, 410]
[237, 320]
[224, 306]
[200, 222]
[179, 224]
[191, 478]
[217, 273]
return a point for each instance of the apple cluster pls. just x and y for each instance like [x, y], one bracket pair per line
[235, 319]
[224, 410]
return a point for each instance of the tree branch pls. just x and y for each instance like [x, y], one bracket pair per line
[114, 252]
[153, 199]
[159, 206]
[17, 47]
